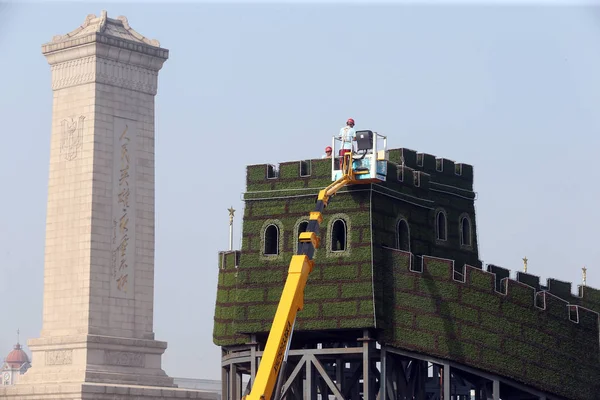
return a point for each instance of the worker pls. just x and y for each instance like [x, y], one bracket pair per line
[328, 151]
[347, 134]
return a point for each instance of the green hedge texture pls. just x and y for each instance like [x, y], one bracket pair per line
[389, 206]
[548, 339]
[503, 333]
[339, 292]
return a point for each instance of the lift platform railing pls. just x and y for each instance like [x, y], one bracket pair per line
[367, 145]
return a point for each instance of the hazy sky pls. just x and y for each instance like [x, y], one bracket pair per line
[515, 91]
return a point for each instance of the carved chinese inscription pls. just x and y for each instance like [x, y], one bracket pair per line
[72, 138]
[123, 209]
[123, 199]
[124, 358]
[59, 357]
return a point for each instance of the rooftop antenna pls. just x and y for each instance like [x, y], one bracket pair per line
[584, 271]
[525, 264]
[231, 212]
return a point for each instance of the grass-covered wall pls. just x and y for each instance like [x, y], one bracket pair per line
[540, 335]
[537, 339]
[339, 294]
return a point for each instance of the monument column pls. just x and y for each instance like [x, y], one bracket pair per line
[100, 219]
[99, 260]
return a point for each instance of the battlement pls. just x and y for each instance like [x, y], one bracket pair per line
[229, 259]
[586, 296]
[422, 171]
[441, 170]
[486, 319]
[556, 298]
[288, 175]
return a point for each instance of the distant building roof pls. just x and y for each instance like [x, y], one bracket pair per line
[16, 358]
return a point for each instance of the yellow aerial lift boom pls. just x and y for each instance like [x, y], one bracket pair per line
[365, 170]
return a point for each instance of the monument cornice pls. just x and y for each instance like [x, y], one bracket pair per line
[101, 63]
[108, 51]
[105, 47]
[111, 38]
[71, 48]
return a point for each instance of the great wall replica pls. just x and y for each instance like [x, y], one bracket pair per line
[399, 300]
[399, 306]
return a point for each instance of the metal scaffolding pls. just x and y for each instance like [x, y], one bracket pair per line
[353, 366]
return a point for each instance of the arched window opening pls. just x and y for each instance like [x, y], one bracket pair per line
[465, 237]
[441, 225]
[338, 235]
[301, 228]
[402, 236]
[271, 240]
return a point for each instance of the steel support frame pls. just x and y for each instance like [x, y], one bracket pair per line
[337, 370]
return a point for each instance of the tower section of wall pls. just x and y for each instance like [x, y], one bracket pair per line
[339, 293]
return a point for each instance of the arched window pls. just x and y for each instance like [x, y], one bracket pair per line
[338, 235]
[465, 231]
[271, 240]
[301, 228]
[441, 225]
[402, 236]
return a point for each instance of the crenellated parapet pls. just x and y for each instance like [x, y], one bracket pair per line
[586, 296]
[409, 172]
[440, 170]
[485, 319]
[288, 175]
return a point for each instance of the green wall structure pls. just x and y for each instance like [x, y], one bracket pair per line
[503, 326]
[429, 293]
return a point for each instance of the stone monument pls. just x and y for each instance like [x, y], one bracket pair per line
[97, 339]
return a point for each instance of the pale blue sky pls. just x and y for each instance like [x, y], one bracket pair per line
[515, 91]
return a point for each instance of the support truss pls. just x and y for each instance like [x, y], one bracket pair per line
[360, 369]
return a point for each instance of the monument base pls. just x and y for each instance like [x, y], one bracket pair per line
[97, 391]
[96, 359]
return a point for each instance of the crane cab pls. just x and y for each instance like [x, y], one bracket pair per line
[366, 161]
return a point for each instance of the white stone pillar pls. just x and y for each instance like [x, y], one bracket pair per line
[99, 261]
[97, 340]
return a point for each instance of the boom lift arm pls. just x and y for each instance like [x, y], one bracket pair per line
[292, 297]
